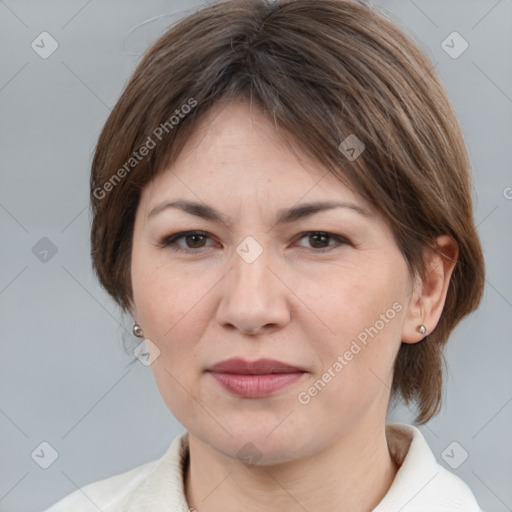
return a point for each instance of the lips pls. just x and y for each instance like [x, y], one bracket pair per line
[255, 379]
[240, 366]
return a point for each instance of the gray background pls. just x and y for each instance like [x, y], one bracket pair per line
[64, 372]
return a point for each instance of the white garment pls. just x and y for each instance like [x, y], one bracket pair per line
[421, 484]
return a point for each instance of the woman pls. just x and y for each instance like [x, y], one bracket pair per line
[282, 202]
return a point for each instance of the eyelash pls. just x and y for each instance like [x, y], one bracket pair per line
[170, 241]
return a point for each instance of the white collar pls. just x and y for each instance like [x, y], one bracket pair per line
[421, 484]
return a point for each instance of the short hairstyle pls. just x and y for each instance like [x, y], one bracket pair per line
[322, 70]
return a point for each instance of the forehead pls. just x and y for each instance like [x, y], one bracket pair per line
[236, 151]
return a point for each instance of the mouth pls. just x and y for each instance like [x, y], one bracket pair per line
[255, 379]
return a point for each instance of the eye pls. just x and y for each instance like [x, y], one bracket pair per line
[322, 238]
[196, 239]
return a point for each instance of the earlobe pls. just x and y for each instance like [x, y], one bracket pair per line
[429, 294]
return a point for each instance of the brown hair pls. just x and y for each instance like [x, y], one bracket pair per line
[323, 70]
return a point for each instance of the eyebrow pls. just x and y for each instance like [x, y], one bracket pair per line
[284, 216]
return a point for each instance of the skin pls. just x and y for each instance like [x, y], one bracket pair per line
[294, 303]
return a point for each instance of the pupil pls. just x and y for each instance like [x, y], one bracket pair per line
[319, 236]
[195, 236]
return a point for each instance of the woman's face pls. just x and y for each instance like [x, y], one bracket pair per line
[333, 305]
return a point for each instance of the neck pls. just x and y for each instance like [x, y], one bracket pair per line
[354, 473]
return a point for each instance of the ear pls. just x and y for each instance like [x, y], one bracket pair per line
[429, 294]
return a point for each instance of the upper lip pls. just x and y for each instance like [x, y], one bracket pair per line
[259, 367]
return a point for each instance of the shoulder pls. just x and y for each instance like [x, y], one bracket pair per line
[454, 493]
[157, 482]
[101, 493]
[421, 482]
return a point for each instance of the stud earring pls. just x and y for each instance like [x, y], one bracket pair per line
[137, 331]
[421, 329]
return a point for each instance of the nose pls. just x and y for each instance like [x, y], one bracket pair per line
[254, 299]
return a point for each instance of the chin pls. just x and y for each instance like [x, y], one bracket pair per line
[255, 445]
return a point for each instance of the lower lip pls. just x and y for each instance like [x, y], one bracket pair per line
[255, 386]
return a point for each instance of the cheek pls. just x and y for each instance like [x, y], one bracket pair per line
[173, 315]
[165, 306]
[159, 292]
[173, 309]
[354, 298]
[356, 364]
[363, 312]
